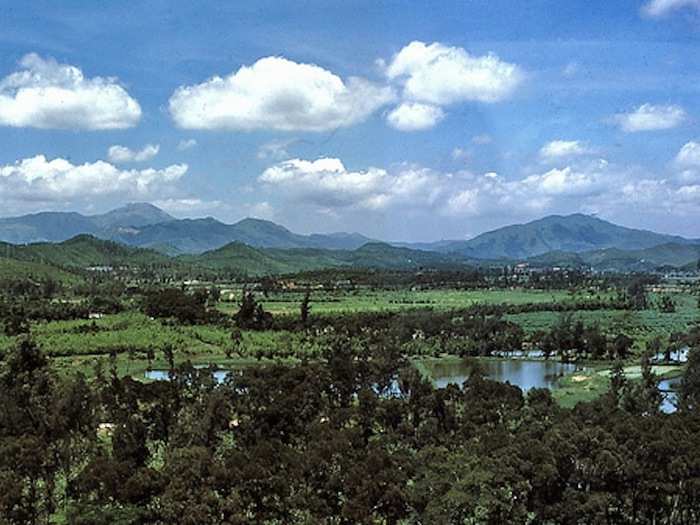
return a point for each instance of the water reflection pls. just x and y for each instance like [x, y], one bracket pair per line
[162, 375]
[524, 374]
[669, 389]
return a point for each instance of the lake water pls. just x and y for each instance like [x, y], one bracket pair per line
[669, 388]
[162, 375]
[524, 374]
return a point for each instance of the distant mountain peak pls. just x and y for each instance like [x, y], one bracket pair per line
[137, 206]
[575, 233]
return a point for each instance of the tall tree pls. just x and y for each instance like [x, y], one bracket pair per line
[305, 307]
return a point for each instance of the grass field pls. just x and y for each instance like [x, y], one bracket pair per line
[594, 381]
[366, 300]
[640, 325]
[77, 345]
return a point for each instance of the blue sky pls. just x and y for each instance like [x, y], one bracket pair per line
[400, 120]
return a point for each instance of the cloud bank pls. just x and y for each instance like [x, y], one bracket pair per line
[39, 179]
[327, 186]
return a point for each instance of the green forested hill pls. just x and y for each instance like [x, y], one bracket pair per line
[83, 251]
[257, 261]
[14, 269]
[669, 254]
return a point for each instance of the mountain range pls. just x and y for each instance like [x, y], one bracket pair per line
[142, 233]
[61, 226]
[88, 252]
[146, 226]
[574, 233]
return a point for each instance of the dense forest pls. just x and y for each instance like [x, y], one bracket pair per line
[335, 421]
[359, 437]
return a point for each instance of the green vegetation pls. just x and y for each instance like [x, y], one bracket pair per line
[85, 251]
[359, 436]
[325, 402]
[641, 325]
[11, 269]
[367, 299]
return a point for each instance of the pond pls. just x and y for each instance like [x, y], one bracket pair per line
[669, 389]
[162, 375]
[524, 374]
[518, 372]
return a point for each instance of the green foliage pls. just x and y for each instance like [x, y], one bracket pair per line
[356, 438]
[172, 303]
[667, 305]
[251, 314]
[86, 251]
[14, 270]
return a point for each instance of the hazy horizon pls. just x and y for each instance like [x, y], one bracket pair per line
[405, 125]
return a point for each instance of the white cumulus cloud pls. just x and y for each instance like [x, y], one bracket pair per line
[648, 117]
[414, 116]
[40, 179]
[188, 205]
[569, 181]
[558, 149]
[689, 154]
[122, 154]
[659, 8]
[440, 75]
[277, 94]
[46, 94]
[327, 183]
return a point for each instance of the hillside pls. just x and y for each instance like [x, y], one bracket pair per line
[261, 261]
[571, 233]
[669, 254]
[84, 251]
[242, 258]
[12, 269]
